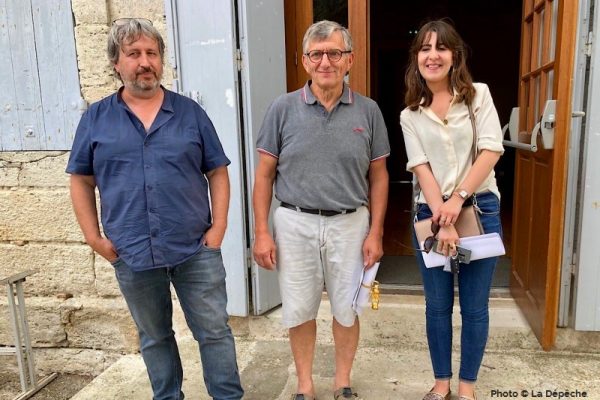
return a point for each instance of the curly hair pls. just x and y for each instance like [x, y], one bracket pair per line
[417, 93]
[127, 31]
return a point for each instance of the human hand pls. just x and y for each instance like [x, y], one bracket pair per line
[372, 250]
[447, 240]
[105, 248]
[213, 238]
[447, 213]
[264, 251]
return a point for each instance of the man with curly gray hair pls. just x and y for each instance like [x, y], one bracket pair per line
[153, 155]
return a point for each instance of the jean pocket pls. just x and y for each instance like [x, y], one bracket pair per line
[423, 211]
[115, 262]
[489, 205]
[214, 249]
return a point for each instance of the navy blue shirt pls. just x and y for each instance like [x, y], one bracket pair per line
[153, 192]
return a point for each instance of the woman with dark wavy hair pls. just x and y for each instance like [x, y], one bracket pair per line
[438, 136]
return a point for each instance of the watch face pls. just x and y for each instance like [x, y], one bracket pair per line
[463, 194]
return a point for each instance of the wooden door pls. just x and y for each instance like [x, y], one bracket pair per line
[299, 16]
[547, 51]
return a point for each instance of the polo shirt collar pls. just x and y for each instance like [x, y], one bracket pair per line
[309, 97]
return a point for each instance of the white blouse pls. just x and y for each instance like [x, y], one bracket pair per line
[446, 144]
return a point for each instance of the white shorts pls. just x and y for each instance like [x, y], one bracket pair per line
[313, 250]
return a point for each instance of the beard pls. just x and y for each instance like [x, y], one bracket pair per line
[142, 85]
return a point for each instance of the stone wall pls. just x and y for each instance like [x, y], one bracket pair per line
[78, 320]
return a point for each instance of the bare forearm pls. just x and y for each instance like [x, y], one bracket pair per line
[218, 180]
[378, 196]
[83, 197]
[429, 186]
[261, 201]
[263, 192]
[264, 249]
[480, 170]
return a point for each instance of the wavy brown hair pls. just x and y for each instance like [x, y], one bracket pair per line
[417, 92]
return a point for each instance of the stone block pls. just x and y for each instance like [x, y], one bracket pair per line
[48, 171]
[100, 324]
[106, 282]
[9, 174]
[61, 268]
[37, 215]
[154, 10]
[93, 93]
[44, 317]
[90, 12]
[16, 157]
[74, 361]
[94, 68]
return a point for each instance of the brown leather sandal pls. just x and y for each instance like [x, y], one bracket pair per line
[431, 395]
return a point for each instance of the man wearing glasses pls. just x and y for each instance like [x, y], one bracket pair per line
[324, 147]
[153, 155]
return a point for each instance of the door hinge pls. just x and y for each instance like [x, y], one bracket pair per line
[587, 49]
[249, 258]
[573, 264]
[296, 58]
[238, 59]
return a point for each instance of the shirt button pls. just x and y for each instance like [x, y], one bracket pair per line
[149, 187]
[147, 166]
[153, 210]
[154, 233]
[145, 144]
[445, 122]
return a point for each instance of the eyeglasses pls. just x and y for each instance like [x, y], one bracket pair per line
[430, 240]
[125, 21]
[333, 55]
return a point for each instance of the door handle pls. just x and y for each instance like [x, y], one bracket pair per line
[544, 128]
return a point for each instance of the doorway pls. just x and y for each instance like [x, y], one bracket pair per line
[492, 31]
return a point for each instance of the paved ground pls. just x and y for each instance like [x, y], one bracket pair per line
[62, 387]
[392, 361]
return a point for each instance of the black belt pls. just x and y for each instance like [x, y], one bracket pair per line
[324, 213]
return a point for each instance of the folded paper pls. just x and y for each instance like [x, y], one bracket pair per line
[363, 291]
[481, 246]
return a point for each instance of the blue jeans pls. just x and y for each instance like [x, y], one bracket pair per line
[200, 286]
[474, 282]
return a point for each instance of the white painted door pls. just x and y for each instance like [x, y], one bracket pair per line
[587, 273]
[230, 57]
[202, 36]
[262, 39]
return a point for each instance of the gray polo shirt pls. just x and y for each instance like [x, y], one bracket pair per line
[323, 158]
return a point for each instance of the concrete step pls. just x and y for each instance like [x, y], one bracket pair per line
[400, 321]
[392, 361]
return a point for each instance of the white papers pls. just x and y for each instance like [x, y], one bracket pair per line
[361, 296]
[481, 246]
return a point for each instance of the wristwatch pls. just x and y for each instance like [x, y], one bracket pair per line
[462, 193]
